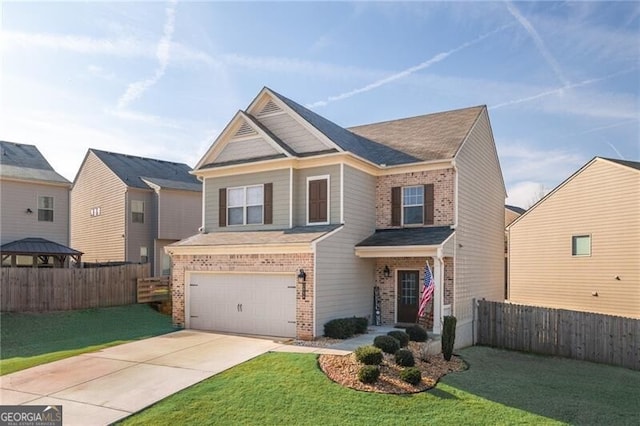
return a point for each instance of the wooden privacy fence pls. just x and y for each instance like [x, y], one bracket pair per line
[59, 289]
[579, 335]
[153, 289]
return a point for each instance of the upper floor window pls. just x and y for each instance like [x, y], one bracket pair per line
[318, 200]
[413, 205]
[137, 211]
[45, 209]
[581, 245]
[245, 205]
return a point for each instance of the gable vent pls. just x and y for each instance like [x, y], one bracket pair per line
[245, 130]
[270, 108]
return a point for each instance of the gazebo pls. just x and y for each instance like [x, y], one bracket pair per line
[41, 251]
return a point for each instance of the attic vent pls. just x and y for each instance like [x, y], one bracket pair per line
[244, 130]
[269, 108]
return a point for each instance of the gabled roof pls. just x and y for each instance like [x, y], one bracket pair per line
[515, 209]
[426, 137]
[131, 170]
[37, 246]
[631, 164]
[21, 161]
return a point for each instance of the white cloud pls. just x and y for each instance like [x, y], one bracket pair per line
[404, 73]
[136, 89]
[100, 72]
[525, 194]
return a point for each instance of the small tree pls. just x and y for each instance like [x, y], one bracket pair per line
[448, 336]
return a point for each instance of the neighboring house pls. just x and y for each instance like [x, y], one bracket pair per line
[34, 202]
[128, 208]
[511, 213]
[578, 248]
[304, 220]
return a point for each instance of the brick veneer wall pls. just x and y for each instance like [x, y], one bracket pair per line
[443, 192]
[248, 263]
[388, 286]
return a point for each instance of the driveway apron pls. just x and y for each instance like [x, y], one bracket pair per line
[102, 387]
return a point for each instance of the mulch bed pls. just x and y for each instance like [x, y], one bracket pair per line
[343, 369]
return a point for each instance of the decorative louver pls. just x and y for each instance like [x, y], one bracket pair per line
[245, 130]
[269, 108]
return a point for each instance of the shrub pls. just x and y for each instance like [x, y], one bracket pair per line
[369, 355]
[360, 324]
[340, 328]
[401, 336]
[448, 336]
[404, 357]
[417, 333]
[368, 373]
[387, 343]
[411, 375]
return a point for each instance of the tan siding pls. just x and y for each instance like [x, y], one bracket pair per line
[300, 193]
[15, 223]
[101, 238]
[602, 201]
[292, 133]
[280, 180]
[510, 216]
[479, 257]
[179, 214]
[244, 149]
[141, 234]
[345, 282]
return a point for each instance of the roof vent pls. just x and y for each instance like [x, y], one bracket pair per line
[269, 108]
[245, 130]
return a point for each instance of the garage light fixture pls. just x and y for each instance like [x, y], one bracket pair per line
[387, 272]
[302, 278]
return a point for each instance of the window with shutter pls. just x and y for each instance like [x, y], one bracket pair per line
[243, 205]
[318, 200]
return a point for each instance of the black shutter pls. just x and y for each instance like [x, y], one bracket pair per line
[428, 204]
[222, 208]
[268, 203]
[396, 206]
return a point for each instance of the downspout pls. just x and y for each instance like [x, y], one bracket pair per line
[203, 228]
[126, 225]
[438, 266]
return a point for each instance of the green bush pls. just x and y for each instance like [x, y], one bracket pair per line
[387, 343]
[340, 328]
[343, 328]
[401, 336]
[417, 333]
[368, 373]
[411, 375]
[360, 324]
[404, 357]
[369, 355]
[448, 336]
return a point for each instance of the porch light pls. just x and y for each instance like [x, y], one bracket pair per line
[302, 278]
[387, 271]
[29, 211]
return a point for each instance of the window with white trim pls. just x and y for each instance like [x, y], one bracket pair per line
[581, 245]
[318, 200]
[45, 209]
[137, 211]
[245, 205]
[413, 205]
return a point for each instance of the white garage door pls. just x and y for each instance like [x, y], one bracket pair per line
[261, 304]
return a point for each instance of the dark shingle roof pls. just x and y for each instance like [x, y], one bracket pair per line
[131, 169]
[358, 145]
[628, 163]
[33, 246]
[516, 209]
[23, 161]
[428, 137]
[407, 237]
[174, 184]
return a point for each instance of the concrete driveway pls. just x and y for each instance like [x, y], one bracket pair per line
[102, 387]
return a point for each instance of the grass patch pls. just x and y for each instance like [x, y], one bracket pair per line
[30, 339]
[501, 387]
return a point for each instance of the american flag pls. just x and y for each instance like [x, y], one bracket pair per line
[427, 291]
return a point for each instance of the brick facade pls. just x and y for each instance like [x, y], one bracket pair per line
[443, 181]
[248, 263]
[388, 286]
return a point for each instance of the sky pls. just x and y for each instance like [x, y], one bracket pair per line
[561, 80]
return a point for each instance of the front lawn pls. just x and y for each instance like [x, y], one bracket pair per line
[500, 388]
[30, 339]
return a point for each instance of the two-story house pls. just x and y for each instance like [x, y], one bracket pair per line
[578, 248]
[34, 209]
[128, 208]
[304, 221]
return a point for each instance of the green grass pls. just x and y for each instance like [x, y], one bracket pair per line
[499, 388]
[30, 339]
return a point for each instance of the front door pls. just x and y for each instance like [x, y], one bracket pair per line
[408, 296]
